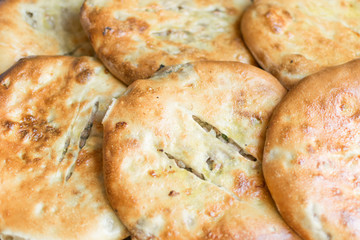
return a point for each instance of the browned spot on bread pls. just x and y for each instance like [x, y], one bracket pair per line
[82, 71]
[8, 125]
[120, 125]
[277, 19]
[84, 76]
[244, 186]
[32, 128]
[133, 24]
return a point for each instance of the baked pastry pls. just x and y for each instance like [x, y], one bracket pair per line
[51, 177]
[135, 38]
[311, 157]
[182, 154]
[293, 39]
[40, 27]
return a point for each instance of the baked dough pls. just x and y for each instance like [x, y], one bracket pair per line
[51, 177]
[180, 149]
[134, 38]
[293, 39]
[311, 157]
[40, 27]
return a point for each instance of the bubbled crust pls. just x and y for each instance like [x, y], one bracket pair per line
[311, 157]
[133, 38]
[293, 39]
[40, 27]
[51, 168]
[153, 123]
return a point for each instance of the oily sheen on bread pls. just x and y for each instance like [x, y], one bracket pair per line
[134, 38]
[182, 154]
[293, 39]
[40, 27]
[311, 157]
[51, 177]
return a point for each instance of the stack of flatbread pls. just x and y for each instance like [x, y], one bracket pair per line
[179, 119]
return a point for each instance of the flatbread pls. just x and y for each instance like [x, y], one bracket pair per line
[134, 38]
[51, 177]
[293, 39]
[311, 157]
[40, 27]
[180, 149]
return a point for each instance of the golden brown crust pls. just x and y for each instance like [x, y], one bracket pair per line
[40, 27]
[311, 154]
[179, 151]
[135, 38]
[293, 39]
[50, 163]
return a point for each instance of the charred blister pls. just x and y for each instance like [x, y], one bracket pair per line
[173, 193]
[160, 67]
[107, 30]
[5, 82]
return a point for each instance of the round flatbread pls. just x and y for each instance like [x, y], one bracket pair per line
[40, 27]
[134, 38]
[293, 39]
[51, 177]
[311, 157]
[182, 154]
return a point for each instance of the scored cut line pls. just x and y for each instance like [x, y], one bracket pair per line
[223, 137]
[200, 176]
